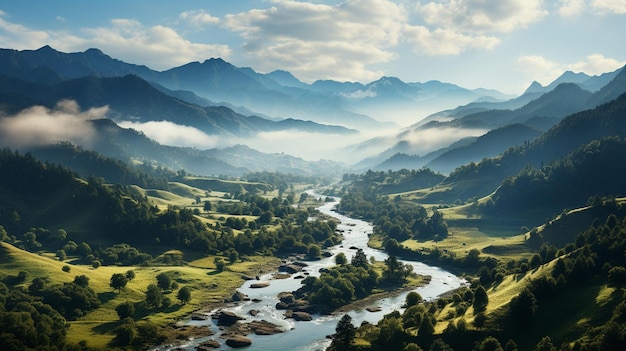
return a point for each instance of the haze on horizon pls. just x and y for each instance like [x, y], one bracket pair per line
[502, 45]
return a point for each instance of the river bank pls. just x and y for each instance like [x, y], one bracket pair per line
[309, 335]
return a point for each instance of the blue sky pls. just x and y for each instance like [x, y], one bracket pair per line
[504, 44]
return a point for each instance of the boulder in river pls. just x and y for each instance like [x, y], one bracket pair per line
[228, 318]
[236, 341]
[374, 309]
[239, 296]
[259, 285]
[302, 316]
[208, 345]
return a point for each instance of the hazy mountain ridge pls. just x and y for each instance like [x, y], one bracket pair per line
[573, 131]
[132, 98]
[540, 112]
[218, 80]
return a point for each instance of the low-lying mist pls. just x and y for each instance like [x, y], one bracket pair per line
[38, 125]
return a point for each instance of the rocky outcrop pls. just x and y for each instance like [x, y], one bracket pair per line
[208, 345]
[239, 296]
[290, 268]
[227, 318]
[236, 341]
[302, 316]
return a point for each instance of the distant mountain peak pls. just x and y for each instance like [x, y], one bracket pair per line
[535, 87]
[46, 48]
[95, 52]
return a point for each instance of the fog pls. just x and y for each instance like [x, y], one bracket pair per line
[39, 125]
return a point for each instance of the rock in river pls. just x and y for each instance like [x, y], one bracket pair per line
[228, 318]
[238, 341]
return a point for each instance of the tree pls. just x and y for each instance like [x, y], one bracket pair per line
[233, 256]
[341, 259]
[345, 333]
[481, 300]
[81, 280]
[207, 206]
[440, 345]
[314, 251]
[184, 295]
[412, 299]
[617, 276]
[412, 347]
[125, 310]
[220, 265]
[489, 344]
[359, 259]
[163, 281]
[154, 296]
[4, 236]
[510, 346]
[523, 307]
[545, 344]
[426, 327]
[118, 281]
[480, 319]
[130, 274]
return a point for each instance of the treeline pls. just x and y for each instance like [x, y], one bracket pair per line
[92, 164]
[396, 181]
[285, 181]
[595, 169]
[395, 219]
[570, 134]
[121, 227]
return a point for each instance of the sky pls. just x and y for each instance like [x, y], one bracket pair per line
[494, 44]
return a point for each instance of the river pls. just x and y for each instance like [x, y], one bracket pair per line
[311, 336]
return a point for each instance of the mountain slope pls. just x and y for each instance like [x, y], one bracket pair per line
[132, 98]
[573, 131]
[489, 145]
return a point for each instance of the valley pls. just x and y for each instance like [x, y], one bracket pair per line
[135, 206]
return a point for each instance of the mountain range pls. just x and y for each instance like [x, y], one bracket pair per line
[218, 98]
[534, 110]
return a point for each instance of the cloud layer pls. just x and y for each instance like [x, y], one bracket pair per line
[38, 125]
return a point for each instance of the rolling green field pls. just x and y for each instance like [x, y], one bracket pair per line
[208, 288]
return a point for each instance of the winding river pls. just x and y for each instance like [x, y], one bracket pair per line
[311, 336]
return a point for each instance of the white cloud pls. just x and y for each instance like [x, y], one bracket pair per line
[445, 41]
[314, 40]
[17, 36]
[454, 26]
[596, 64]
[199, 18]
[545, 71]
[539, 69]
[169, 133]
[571, 7]
[39, 125]
[158, 46]
[479, 16]
[609, 6]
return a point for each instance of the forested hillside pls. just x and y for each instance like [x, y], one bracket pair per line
[480, 179]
